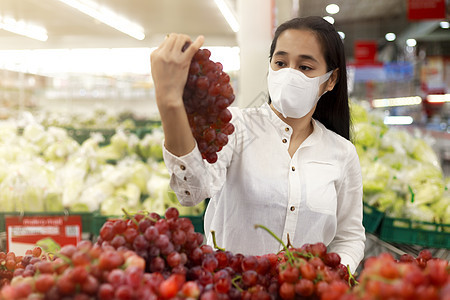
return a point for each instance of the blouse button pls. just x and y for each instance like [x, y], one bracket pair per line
[293, 168]
[182, 167]
[187, 193]
[184, 178]
[292, 208]
[286, 129]
[284, 141]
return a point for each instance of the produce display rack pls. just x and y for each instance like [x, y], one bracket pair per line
[402, 236]
[405, 231]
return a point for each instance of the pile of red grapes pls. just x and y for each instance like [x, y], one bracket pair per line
[148, 256]
[422, 278]
[207, 95]
[9, 263]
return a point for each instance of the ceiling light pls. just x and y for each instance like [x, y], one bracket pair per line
[228, 15]
[398, 120]
[401, 101]
[329, 19]
[22, 28]
[438, 98]
[107, 17]
[341, 34]
[332, 9]
[444, 24]
[411, 42]
[390, 36]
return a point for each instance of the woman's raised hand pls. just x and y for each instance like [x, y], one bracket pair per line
[170, 67]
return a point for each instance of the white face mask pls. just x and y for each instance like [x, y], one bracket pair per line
[293, 93]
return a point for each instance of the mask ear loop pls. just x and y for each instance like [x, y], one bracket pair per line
[323, 79]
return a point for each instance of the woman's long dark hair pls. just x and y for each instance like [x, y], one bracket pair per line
[333, 108]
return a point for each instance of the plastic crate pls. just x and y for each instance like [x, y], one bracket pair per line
[405, 231]
[86, 218]
[372, 218]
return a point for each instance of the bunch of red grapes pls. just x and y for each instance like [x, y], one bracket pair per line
[419, 278]
[166, 244]
[311, 271]
[207, 95]
[146, 256]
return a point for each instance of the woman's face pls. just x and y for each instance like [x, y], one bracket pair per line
[300, 50]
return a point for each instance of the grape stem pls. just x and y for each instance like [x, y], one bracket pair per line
[233, 282]
[64, 258]
[289, 242]
[148, 217]
[351, 278]
[213, 233]
[303, 254]
[130, 217]
[288, 253]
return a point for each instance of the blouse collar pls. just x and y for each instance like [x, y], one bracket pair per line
[284, 128]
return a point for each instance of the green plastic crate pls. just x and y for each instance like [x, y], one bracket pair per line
[86, 218]
[405, 231]
[372, 218]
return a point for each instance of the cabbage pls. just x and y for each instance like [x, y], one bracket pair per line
[358, 113]
[383, 201]
[141, 173]
[36, 134]
[423, 152]
[397, 141]
[53, 202]
[366, 135]
[129, 196]
[376, 176]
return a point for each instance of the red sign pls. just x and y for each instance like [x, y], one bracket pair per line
[23, 232]
[365, 52]
[426, 9]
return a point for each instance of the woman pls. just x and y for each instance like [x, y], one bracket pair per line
[289, 165]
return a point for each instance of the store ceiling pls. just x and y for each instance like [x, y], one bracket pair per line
[68, 28]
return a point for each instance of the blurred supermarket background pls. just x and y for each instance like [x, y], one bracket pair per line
[79, 71]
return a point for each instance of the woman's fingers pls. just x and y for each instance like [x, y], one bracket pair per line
[170, 42]
[193, 47]
[181, 40]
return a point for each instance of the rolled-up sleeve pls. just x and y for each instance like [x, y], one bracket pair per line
[350, 233]
[186, 176]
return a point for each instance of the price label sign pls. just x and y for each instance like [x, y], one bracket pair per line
[22, 233]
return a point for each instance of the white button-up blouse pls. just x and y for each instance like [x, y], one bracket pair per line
[315, 196]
